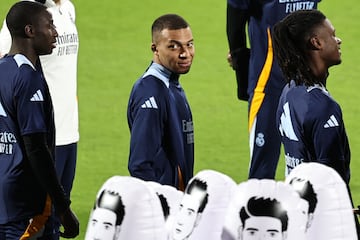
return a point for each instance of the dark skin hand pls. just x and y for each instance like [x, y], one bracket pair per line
[70, 224]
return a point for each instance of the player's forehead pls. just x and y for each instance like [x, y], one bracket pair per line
[329, 25]
[43, 17]
[182, 35]
[325, 27]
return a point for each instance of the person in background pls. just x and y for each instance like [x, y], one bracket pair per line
[309, 119]
[159, 115]
[259, 78]
[27, 173]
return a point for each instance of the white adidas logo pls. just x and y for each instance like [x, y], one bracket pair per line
[332, 122]
[2, 111]
[150, 103]
[37, 97]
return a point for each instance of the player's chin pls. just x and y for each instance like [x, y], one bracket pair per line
[339, 57]
[46, 52]
[338, 61]
[183, 70]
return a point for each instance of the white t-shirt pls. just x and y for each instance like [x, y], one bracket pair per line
[5, 39]
[60, 69]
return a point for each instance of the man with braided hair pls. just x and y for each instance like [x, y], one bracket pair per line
[259, 78]
[309, 119]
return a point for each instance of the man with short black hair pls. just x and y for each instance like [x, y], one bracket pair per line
[159, 115]
[27, 173]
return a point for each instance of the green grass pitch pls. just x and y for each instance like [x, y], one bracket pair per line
[114, 52]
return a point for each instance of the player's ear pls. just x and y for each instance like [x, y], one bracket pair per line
[315, 43]
[29, 30]
[153, 47]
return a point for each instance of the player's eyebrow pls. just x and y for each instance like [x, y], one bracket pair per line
[180, 43]
[272, 230]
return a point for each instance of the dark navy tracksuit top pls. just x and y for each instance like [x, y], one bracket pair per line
[161, 125]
